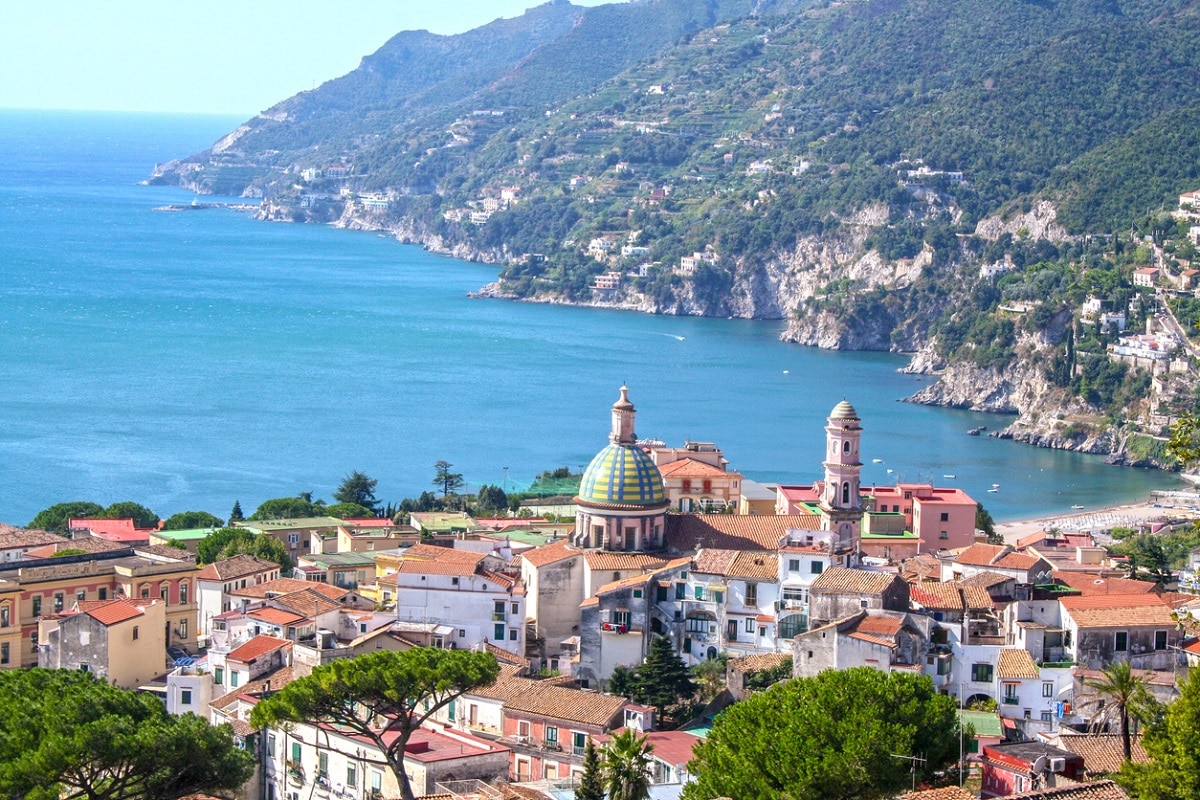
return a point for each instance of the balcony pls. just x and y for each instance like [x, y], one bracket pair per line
[499, 616]
[614, 627]
[1011, 701]
[551, 744]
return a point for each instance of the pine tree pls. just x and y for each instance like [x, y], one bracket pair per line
[591, 783]
[236, 514]
[663, 679]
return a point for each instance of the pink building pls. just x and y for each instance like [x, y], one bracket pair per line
[943, 519]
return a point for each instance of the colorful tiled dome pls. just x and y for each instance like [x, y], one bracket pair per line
[622, 475]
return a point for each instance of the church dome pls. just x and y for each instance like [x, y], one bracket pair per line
[843, 410]
[622, 475]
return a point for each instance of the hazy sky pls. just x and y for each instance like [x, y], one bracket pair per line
[217, 56]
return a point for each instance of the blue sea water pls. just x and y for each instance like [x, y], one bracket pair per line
[185, 360]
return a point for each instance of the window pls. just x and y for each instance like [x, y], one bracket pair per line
[578, 742]
[293, 539]
[981, 673]
[296, 752]
[362, 627]
[185, 697]
[37, 606]
[183, 593]
[637, 593]
[793, 565]
[862, 603]
[135, 633]
[1160, 640]
[323, 764]
[164, 592]
[731, 630]
[1011, 695]
[846, 493]
[5, 614]
[376, 781]
[816, 567]
[749, 625]
[846, 447]
[680, 591]
[351, 776]
[454, 581]
[462, 633]
[943, 535]
[219, 675]
[622, 617]
[512, 634]
[81, 595]
[660, 594]
[233, 678]
[271, 744]
[751, 594]
[1048, 689]
[1121, 641]
[58, 602]
[103, 594]
[1047, 716]
[4, 654]
[451, 710]
[551, 735]
[687, 485]
[146, 592]
[183, 629]
[514, 608]
[945, 516]
[499, 632]
[697, 625]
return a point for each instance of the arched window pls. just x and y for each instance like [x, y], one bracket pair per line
[846, 447]
[846, 493]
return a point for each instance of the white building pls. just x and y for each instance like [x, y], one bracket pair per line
[216, 582]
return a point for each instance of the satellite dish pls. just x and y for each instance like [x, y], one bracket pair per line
[1039, 766]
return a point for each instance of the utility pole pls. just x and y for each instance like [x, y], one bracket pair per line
[913, 760]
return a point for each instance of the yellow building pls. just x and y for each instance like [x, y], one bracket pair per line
[121, 642]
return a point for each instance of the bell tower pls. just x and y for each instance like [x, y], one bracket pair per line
[841, 503]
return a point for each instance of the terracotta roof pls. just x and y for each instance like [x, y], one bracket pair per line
[672, 747]
[1116, 610]
[760, 566]
[569, 705]
[690, 532]
[89, 545]
[1093, 584]
[112, 611]
[1017, 561]
[936, 596]
[986, 579]
[258, 646]
[760, 661]
[1097, 790]
[1015, 663]
[713, 561]
[977, 597]
[625, 583]
[550, 553]
[872, 638]
[275, 616]
[238, 566]
[844, 580]
[11, 537]
[690, 468]
[276, 680]
[307, 602]
[505, 657]
[981, 555]
[447, 567]
[599, 560]
[944, 793]
[281, 586]
[1103, 753]
[436, 553]
[509, 684]
[879, 626]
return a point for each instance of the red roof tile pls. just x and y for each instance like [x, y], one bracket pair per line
[113, 611]
[258, 646]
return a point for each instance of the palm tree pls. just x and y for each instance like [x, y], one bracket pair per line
[627, 766]
[1124, 695]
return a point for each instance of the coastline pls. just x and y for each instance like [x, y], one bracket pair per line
[1125, 515]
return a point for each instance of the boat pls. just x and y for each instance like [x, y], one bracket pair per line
[1077, 508]
[876, 460]
[995, 486]
[951, 477]
[977, 431]
[993, 490]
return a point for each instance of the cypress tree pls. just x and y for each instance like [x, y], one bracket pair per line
[663, 679]
[591, 783]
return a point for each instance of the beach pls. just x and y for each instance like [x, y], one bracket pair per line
[1172, 507]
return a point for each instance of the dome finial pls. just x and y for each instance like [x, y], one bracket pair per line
[623, 404]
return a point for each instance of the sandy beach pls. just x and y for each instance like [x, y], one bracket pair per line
[1127, 516]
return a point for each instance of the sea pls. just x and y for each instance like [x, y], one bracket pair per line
[187, 360]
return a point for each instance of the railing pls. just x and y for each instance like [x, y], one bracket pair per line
[550, 744]
[499, 616]
[614, 627]
[1011, 701]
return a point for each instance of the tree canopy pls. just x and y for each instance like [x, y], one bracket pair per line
[288, 508]
[358, 488]
[663, 679]
[189, 520]
[229, 542]
[627, 766]
[380, 693]
[1125, 696]
[68, 736]
[839, 730]
[142, 517]
[447, 480]
[58, 516]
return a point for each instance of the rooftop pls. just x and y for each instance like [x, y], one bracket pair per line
[844, 580]
[691, 532]
[257, 647]
[238, 566]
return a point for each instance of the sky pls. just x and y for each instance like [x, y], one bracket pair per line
[215, 57]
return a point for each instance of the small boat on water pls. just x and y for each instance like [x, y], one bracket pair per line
[876, 460]
[951, 477]
[1077, 508]
[993, 490]
[995, 486]
[977, 431]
